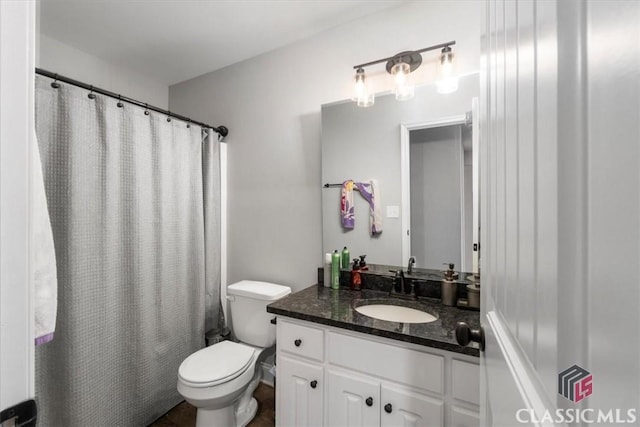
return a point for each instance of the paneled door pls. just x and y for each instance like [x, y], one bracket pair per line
[353, 401]
[301, 391]
[560, 212]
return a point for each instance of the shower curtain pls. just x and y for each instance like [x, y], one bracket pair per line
[134, 206]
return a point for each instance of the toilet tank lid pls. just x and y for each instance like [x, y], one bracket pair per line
[258, 290]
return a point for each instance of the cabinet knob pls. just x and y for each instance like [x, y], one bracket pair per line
[369, 401]
[388, 408]
[464, 335]
[313, 384]
[298, 342]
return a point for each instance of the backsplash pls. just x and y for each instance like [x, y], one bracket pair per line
[380, 278]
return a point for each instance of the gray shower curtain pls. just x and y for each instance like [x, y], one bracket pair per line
[134, 206]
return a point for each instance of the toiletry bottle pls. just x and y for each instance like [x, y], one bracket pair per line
[356, 279]
[363, 263]
[335, 270]
[345, 258]
[449, 286]
[327, 270]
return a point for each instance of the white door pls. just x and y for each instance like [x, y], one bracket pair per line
[17, 35]
[352, 400]
[300, 391]
[560, 214]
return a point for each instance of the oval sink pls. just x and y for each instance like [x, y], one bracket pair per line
[396, 313]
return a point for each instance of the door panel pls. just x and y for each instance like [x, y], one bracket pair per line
[560, 205]
[300, 403]
[347, 400]
[409, 409]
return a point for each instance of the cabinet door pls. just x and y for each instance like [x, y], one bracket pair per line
[353, 401]
[300, 392]
[403, 407]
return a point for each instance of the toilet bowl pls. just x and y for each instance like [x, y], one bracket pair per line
[220, 380]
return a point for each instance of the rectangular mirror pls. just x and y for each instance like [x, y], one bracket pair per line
[421, 154]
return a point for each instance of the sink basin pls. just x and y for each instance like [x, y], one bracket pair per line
[395, 313]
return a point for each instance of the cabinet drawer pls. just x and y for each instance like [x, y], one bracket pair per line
[301, 340]
[465, 381]
[414, 368]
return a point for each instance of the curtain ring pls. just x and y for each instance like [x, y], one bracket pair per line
[54, 83]
[146, 109]
[119, 104]
[168, 116]
[91, 94]
[188, 123]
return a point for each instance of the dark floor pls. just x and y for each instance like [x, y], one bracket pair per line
[184, 415]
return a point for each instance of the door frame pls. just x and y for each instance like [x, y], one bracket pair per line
[17, 137]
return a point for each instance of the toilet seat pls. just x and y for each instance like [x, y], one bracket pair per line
[217, 364]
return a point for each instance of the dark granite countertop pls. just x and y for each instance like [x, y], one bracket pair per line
[336, 308]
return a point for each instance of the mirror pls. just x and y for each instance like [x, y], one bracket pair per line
[395, 143]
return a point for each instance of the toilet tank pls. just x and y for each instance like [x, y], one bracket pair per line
[248, 302]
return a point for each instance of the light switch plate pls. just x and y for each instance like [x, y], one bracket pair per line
[393, 211]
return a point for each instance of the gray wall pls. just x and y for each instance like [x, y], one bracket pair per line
[436, 201]
[363, 143]
[271, 104]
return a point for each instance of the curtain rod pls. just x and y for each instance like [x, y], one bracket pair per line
[221, 130]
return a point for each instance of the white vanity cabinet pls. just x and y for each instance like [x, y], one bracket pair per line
[364, 380]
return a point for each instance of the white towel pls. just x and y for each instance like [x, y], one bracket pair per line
[44, 258]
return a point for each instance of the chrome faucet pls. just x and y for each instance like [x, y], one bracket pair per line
[412, 261]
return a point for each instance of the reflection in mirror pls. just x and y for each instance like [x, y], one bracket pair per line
[364, 144]
[440, 196]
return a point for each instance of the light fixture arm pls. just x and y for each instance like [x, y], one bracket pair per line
[426, 49]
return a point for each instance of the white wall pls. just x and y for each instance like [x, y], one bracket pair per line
[68, 61]
[271, 105]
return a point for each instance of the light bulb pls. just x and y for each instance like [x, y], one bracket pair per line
[448, 82]
[403, 89]
[363, 95]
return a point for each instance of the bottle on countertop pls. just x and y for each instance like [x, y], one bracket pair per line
[363, 263]
[345, 258]
[335, 270]
[449, 286]
[356, 279]
[327, 270]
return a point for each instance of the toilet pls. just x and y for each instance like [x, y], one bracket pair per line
[220, 380]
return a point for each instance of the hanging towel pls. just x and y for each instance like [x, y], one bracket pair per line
[44, 258]
[371, 192]
[346, 204]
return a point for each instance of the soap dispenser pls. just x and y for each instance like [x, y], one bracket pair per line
[356, 279]
[449, 286]
[363, 263]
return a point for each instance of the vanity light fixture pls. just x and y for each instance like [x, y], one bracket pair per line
[448, 82]
[364, 96]
[400, 66]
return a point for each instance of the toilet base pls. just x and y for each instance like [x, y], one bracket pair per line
[245, 416]
[215, 417]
